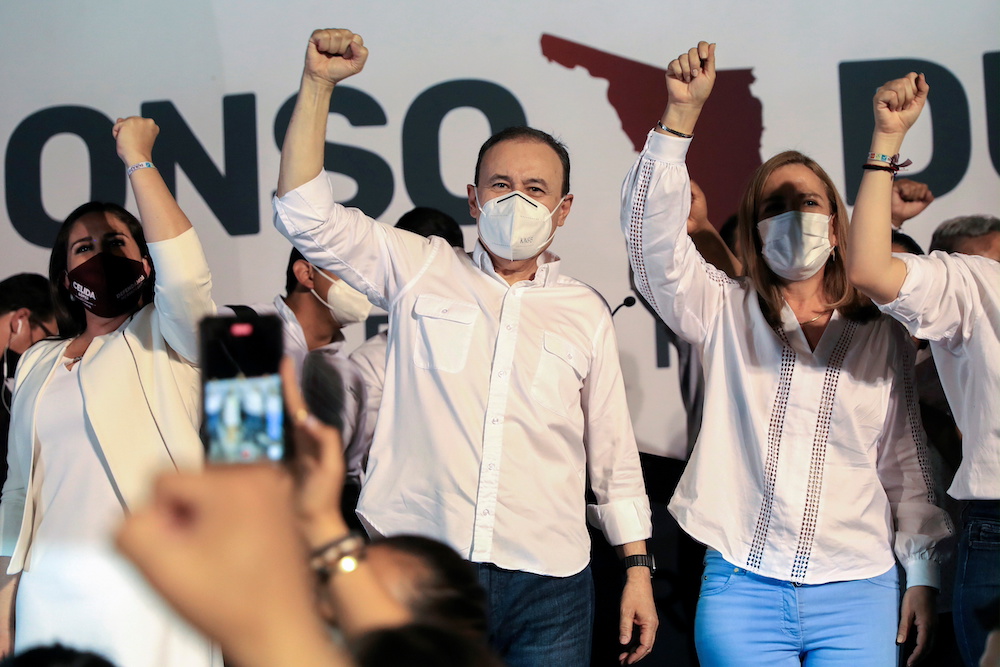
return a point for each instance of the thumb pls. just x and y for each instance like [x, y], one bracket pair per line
[625, 626]
[905, 620]
[922, 87]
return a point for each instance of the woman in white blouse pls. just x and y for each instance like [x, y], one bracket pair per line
[810, 469]
[96, 416]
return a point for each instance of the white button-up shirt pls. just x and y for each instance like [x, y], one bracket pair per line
[499, 399]
[811, 464]
[953, 301]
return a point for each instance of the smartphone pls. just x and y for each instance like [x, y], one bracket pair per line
[243, 412]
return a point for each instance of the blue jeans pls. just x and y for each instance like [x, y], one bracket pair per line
[746, 619]
[539, 620]
[977, 576]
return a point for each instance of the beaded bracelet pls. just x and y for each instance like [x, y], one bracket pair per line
[342, 554]
[137, 166]
[663, 127]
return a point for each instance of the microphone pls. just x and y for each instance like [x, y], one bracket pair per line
[627, 303]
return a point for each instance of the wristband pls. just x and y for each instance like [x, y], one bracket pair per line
[663, 127]
[640, 560]
[137, 166]
[879, 157]
[340, 555]
[881, 167]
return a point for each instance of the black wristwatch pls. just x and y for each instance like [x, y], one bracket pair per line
[640, 560]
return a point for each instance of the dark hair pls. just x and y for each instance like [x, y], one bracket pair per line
[421, 645]
[448, 591]
[70, 314]
[291, 282]
[906, 242]
[56, 655]
[950, 232]
[27, 290]
[843, 296]
[728, 231]
[432, 222]
[522, 133]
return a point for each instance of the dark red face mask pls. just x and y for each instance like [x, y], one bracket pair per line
[108, 285]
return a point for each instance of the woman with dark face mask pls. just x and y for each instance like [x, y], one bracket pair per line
[809, 479]
[97, 414]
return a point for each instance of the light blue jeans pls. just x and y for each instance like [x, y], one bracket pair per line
[746, 619]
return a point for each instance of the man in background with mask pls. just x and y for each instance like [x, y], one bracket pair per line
[317, 305]
[26, 317]
[503, 390]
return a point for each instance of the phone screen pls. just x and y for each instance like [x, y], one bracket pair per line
[242, 404]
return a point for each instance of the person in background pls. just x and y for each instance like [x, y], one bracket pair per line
[314, 311]
[370, 356]
[969, 235]
[810, 444]
[26, 317]
[952, 300]
[97, 414]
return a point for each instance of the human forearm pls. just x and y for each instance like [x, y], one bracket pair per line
[161, 217]
[870, 265]
[8, 592]
[305, 139]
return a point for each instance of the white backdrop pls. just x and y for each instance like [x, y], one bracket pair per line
[113, 56]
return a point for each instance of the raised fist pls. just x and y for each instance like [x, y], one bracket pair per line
[909, 198]
[898, 103]
[691, 76]
[134, 138]
[334, 54]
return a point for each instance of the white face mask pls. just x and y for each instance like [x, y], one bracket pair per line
[347, 304]
[515, 226]
[796, 244]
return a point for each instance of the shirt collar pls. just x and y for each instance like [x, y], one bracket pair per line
[546, 275]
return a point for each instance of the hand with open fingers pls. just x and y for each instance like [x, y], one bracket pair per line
[638, 620]
[134, 139]
[318, 466]
[918, 614]
[222, 547]
[909, 198]
[691, 76]
[333, 55]
[898, 104]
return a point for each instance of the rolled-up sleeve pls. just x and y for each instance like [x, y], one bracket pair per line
[622, 509]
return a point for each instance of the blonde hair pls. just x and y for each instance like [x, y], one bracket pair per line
[841, 294]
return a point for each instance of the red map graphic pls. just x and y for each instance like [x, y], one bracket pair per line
[727, 149]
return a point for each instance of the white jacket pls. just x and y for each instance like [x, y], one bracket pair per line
[141, 389]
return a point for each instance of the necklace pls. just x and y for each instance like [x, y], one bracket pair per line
[812, 320]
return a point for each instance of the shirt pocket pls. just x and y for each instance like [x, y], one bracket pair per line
[559, 377]
[445, 328]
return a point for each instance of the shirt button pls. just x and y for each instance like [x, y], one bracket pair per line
[486, 512]
[570, 356]
[444, 310]
[510, 327]
[493, 466]
[496, 420]
[502, 374]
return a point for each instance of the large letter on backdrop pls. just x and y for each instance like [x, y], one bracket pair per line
[991, 79]
[233, 196]
[951, 144]
[23, 166]
[422, 138]
[369, 171]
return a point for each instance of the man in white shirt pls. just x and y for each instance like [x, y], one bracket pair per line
[316, 307]
[952, 300]
[503, 390]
